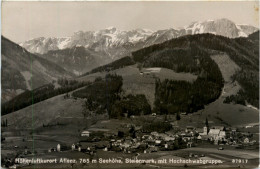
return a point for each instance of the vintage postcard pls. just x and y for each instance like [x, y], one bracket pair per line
[130, 84]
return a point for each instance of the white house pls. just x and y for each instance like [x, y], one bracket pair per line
[73, 147]
[246, 140]
[214, 133]
[222, 135]
[58, 147]
[85, 133]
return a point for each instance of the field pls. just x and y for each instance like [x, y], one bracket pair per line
[136, 83]
[209, 152]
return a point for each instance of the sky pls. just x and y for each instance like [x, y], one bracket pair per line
[22, 21]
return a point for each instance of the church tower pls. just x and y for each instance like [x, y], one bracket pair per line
[205, 130]
[206, 127]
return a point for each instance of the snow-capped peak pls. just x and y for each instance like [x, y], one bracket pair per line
[110, 27]
[112, 37]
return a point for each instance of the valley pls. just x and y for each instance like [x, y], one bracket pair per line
[180, 98]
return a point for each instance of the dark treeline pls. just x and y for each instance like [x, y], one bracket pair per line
[181, 96]
[179, 60]
[28, 98]
[158, 126]
[249, 80]
[237, 99]
[125, 61]
[101, 94]
[131, 105]
[104, 95]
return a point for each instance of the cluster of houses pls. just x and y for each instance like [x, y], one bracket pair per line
[218, 135]
[145, 142]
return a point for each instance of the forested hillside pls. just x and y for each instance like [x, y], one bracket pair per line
[105, 96]
[181, 96]
[28, 97]
[183, 54]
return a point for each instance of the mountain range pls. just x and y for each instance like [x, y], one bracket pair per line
[55, 58]
[91, 49]
[111, 37]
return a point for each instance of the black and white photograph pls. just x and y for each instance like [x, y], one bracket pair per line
[129, 84]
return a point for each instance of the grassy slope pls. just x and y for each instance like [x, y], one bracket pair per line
[234, 115]
[134, 83]
[45, 112]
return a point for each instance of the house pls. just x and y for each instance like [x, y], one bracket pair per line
[148, 71]
[61, 147]
[73, 147]
[233, 130]
[53, 149]
[155, 134]
[151, 149]
[246, 140]
[214, 133]
[206, 137]
[85, 133]
[189, 129]
[199, 130]
[222, 135]
[158, 142]
[183, 113]
[58, 147]
[189, 144]
[221, 128]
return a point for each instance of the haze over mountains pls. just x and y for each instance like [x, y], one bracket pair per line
[85, 50]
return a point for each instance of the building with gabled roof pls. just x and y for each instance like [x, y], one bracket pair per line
[222, 128]
[214, 133]
[85, 133]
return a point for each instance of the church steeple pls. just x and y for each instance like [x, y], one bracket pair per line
[206, 122]
[206, 128]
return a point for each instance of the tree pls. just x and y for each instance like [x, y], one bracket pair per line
[132, 132]
[165, 117]
[3, 123]
[120, 134]
[178, 117]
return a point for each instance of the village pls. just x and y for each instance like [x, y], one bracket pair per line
[137, 140]
[132, 140]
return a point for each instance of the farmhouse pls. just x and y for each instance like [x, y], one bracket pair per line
[85, 133]
[61, 147]
[246, 140]
[148, 71]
